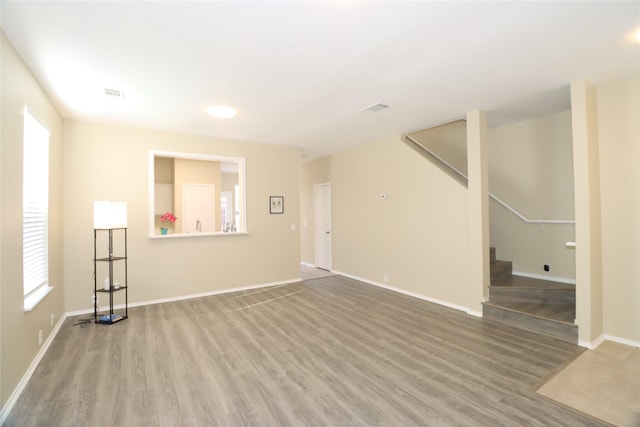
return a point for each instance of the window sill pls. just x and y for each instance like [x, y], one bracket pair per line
[32, 300]
[205, 234]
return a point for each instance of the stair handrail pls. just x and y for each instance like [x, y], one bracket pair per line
[465, 179]
[448, 166]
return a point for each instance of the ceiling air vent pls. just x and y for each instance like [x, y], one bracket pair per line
[114, 93]
[375, 107]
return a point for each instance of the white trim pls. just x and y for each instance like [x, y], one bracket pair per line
[624, 341]
[206, 294]
[411, 294]
[307, 264]
[592, 345]
[242, 184]
[38, 295]
[205, 234]
[605, 337]
[491, 195]
[529, 221]
[4, 413]
[31, 111]
[566, 280]
[440, 159]
[190, 296]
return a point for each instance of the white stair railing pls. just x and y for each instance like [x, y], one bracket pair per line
[464, 179]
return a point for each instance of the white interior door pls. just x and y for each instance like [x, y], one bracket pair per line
[198, 208]
[322, 221]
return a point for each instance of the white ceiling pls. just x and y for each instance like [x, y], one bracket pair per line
[300, 72]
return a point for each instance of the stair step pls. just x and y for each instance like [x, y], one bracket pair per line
[500, 294]
[540, 318]
[501, 270]
[525, 289]
[528, 282]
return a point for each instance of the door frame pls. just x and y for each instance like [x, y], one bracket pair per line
[319, 235]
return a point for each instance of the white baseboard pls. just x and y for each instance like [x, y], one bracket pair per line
[624, 341]
[308, 264]
[4, 413]
[592, 345]
[566, 280]
[189, 296]
[474, 313]
[207, 294]
[411, 294]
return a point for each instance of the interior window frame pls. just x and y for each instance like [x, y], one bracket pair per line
[241, 199]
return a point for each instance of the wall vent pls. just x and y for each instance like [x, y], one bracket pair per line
[114, 93]
[375, 107]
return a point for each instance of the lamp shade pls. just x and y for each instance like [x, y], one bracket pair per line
[109, 215]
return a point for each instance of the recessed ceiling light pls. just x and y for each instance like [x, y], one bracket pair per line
[221, 111]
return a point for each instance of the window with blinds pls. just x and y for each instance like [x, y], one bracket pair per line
[35, 207]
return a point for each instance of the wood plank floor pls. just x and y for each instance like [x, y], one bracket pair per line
[328, 352]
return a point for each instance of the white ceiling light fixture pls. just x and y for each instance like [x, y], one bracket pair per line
[221, 111]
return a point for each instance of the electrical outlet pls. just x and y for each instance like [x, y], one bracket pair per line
[52, 316]
[40, 337]
[547, 267]
[386, 277]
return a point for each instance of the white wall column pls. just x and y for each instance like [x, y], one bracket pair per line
[478, 171]
[586, 170]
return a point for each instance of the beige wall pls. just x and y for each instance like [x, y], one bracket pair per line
[167, 268]
[163, 170]
[589, 304]
[19, 330]
[311, 173]
[531, 169]
[478, 210]
[448, 141]
[619, 137]
[418, 236]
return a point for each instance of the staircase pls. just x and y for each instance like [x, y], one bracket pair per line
[536, 305]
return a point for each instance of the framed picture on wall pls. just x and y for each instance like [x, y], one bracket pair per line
[276, 204]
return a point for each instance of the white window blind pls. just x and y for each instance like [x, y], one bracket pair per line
[35, 206]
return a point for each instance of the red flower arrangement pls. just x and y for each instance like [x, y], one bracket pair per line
[168, 216]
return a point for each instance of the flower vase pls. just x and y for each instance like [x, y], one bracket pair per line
[163, 230]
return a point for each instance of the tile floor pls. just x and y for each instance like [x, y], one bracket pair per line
[604, 383]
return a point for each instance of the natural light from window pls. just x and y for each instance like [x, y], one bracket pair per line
[35, 211]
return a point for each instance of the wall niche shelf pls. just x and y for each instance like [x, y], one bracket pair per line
[114, 270]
